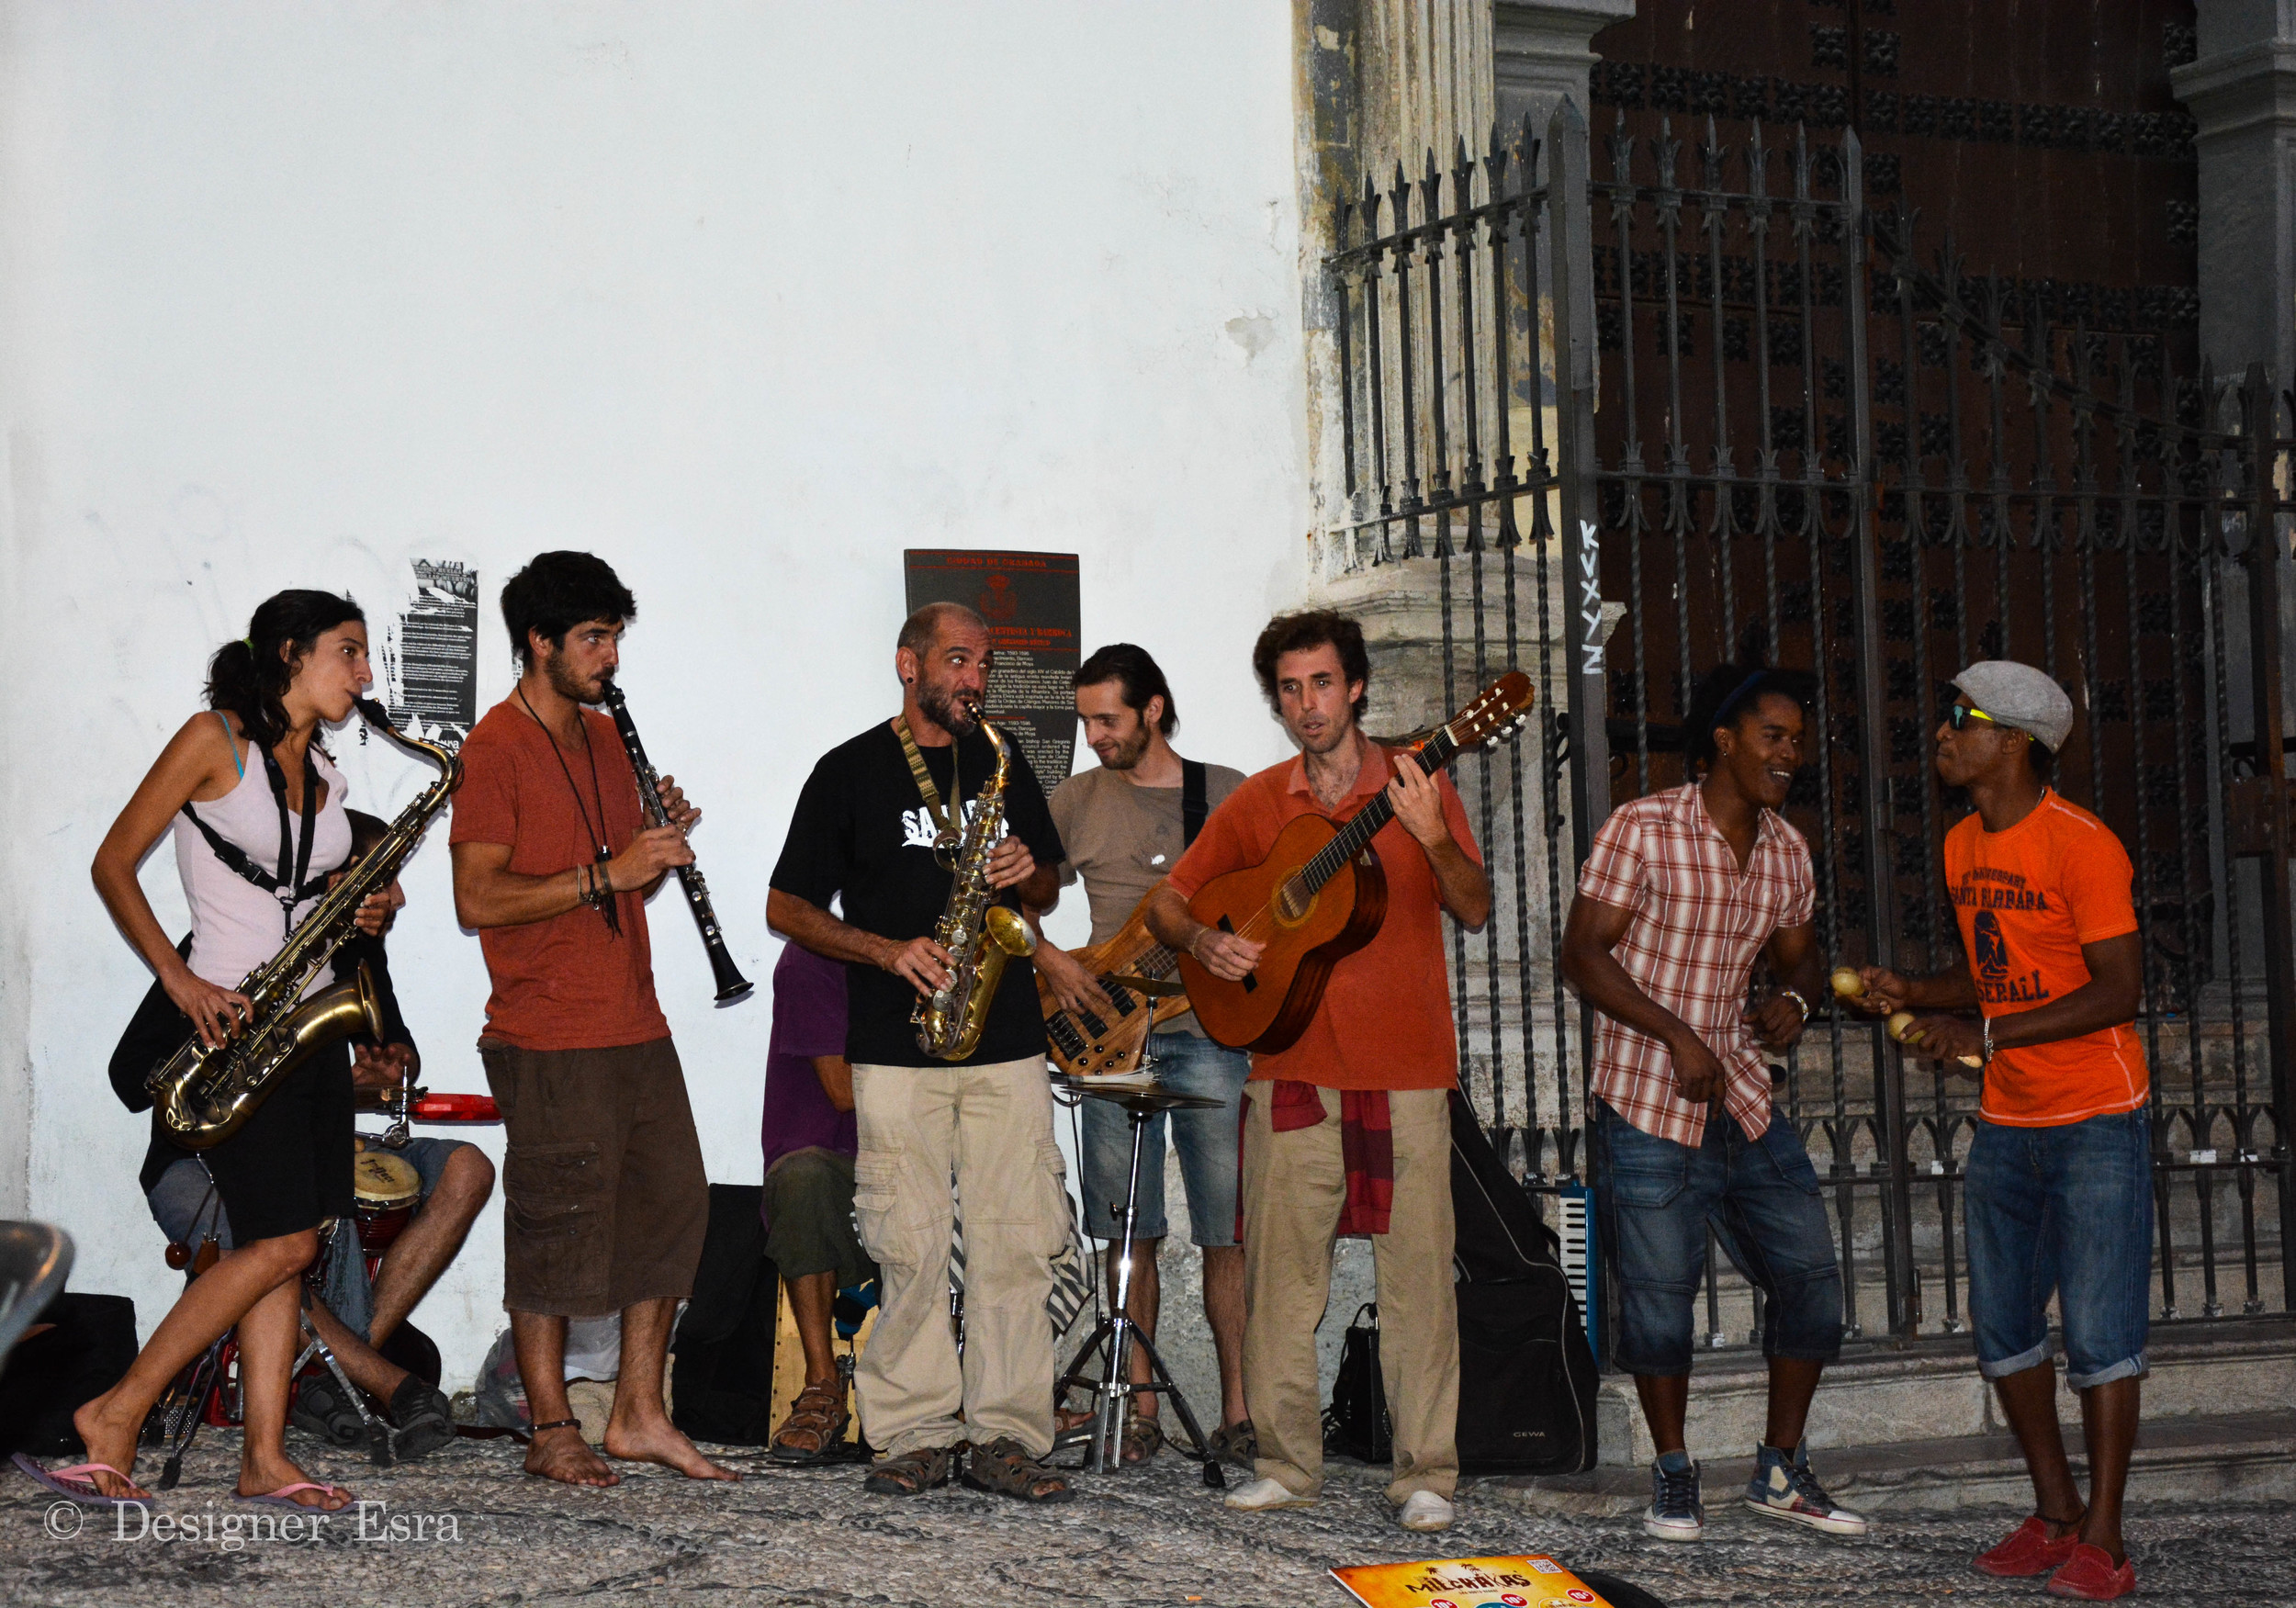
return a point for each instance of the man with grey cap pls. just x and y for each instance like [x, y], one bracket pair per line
[2058, 1177]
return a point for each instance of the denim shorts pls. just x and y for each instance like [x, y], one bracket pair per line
[186, 1208]
[1205, 1139]
[1656, 1200]
[2068, 1211]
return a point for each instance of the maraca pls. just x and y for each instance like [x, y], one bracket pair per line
[1900, 1024]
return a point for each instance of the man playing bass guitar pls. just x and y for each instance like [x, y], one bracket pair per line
[1347, 1129]
[1125, 823]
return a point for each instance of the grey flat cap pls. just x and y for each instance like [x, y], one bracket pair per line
[2019, 695]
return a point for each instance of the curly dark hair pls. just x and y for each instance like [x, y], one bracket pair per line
[1308, 628]
[558, 591]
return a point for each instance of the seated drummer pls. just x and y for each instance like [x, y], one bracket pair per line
[809, 1138]
[457, 1180]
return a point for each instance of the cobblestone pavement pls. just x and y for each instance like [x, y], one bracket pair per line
[1152, 1537]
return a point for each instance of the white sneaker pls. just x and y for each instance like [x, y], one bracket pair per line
[1262, 1496]
[1427, 1510]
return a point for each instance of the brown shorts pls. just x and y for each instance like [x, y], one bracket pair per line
[604, 1198]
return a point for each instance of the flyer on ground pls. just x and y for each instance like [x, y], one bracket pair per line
[1469, 1582]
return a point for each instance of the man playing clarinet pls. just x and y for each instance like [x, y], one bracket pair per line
[604, 1196]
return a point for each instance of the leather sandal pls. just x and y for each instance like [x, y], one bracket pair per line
[1141, 1437]
[1003, 1467]
[911, 1473]
[1236, 1444]
[819, 1415]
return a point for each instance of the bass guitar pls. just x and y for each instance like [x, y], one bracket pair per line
[1320, 894]
[1137, 974]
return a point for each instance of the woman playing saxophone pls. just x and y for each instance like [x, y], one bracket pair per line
[246, 790]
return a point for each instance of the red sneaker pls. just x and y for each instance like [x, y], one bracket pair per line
[2090, 1574]
[2029, 1551]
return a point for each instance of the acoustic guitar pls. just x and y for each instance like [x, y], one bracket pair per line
[1320, 894]
[1135, 971]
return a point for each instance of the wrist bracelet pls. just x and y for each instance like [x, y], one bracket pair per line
[1794, 995]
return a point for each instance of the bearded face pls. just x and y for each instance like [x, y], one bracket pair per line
[939, 695]
[1122, 752]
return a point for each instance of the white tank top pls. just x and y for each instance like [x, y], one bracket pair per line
[236, 926]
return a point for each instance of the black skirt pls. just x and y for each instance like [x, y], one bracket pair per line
[290, 1167]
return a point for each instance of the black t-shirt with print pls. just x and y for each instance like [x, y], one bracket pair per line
[861, 835]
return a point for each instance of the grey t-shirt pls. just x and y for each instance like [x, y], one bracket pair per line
[1122, 839]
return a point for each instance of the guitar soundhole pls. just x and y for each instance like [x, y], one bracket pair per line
[1292, 903]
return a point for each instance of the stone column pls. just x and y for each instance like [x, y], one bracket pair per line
[1541, 51]
[2242, 88]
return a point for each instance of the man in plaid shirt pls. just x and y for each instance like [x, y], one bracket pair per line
[1683, 891]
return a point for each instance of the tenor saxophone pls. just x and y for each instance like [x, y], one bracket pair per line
[204, 1094]
[979, 934]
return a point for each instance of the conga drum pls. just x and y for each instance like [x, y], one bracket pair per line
[386, 1189]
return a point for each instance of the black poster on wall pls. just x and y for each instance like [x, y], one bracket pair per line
[430, 657]
[1030, 603]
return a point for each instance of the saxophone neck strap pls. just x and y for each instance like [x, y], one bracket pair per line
[293, 883]
[944, 817]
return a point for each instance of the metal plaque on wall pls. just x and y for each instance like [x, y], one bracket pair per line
[431, 654]
[1030, 601]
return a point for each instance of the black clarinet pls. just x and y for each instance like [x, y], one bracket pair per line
[731, 984]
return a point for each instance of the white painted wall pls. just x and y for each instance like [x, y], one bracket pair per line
[746, 298]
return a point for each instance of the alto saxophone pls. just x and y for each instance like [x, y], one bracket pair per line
[979, 934]
[203, 1095]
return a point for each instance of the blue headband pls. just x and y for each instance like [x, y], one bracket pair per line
[1723, 709]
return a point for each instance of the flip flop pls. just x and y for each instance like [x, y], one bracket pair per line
[73, 1485]
[285, 1498]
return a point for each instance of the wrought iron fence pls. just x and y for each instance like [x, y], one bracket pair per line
[1708, 398]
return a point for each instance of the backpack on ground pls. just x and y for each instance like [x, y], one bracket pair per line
[1356, 1423]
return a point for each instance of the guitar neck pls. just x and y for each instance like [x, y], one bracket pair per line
[1365, 823]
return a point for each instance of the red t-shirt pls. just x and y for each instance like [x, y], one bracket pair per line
[2027, 900]
[566, 982]
[1385, 1019]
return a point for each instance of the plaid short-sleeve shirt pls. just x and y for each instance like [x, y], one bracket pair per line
[1699, 925]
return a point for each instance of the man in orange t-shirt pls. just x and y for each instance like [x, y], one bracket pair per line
[2059, 1183]
[604, 1198]
[1380, 1053]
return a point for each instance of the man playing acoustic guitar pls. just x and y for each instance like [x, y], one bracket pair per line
[1348, 1130]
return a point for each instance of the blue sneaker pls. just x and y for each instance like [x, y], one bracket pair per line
[1675, 1512]
[1783, 1487]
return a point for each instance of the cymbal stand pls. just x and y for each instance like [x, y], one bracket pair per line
[1112, 1341]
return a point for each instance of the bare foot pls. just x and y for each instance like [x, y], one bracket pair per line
[262, 1470]
[661, 1442]
[110, 1442]
[562, 1454]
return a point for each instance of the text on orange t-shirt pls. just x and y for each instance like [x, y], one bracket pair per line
[2027, 900]
[1385, 1019]
[566, 982]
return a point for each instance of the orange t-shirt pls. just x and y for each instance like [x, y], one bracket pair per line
[2027, 900]
[566, 982]
[1385, 1019]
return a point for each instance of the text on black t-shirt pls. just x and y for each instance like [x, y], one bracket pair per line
[863, 834]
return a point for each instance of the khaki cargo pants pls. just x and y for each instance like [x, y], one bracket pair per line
[990, 1127]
